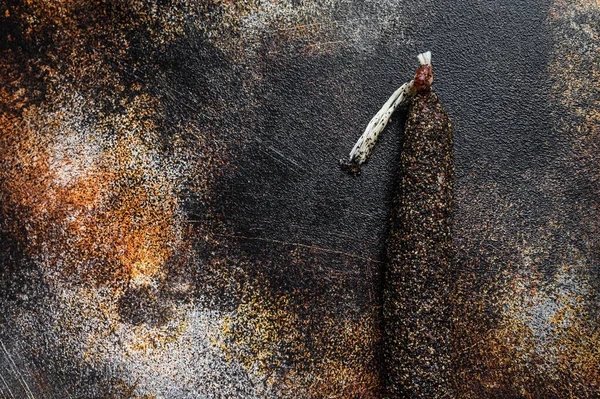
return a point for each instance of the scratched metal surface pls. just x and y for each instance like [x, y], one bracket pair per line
[174, 223]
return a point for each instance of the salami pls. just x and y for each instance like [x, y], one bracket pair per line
[419, 251]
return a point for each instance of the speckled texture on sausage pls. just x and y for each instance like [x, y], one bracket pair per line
[419, 253]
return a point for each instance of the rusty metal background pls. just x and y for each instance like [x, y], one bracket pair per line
[174, 223]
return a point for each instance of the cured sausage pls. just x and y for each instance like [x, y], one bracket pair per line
[419, 251]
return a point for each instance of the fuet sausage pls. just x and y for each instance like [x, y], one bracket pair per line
[419, 251]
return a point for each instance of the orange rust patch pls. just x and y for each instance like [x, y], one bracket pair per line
[116, 220]
[285, 342]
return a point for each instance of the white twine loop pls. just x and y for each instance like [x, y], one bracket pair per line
[364, 146]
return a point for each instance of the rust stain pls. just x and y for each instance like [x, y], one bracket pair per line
[282, 345]
[525, 305]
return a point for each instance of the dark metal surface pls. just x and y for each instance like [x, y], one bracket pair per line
[175, 224]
